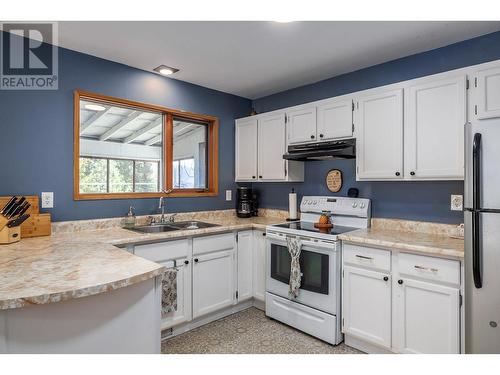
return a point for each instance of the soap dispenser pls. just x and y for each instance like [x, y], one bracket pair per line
[130, 218]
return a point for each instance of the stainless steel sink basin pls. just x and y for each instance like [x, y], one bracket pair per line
[193, 225]
[168, 227]
[153, 228]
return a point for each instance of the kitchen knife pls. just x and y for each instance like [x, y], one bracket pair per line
[17, 210]
[8, 205]
[14, 207]
[24, 208]
[18, 221]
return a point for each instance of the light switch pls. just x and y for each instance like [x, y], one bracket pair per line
[47, 199]
[228, 195]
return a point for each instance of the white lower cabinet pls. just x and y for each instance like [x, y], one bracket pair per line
[183, 312]
[213, 272]
[213, 278]
[259, 265]
[245, 261]
[414, 308]
[366, 306]
[427, 318]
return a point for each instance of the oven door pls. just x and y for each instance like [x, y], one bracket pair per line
[320, 268]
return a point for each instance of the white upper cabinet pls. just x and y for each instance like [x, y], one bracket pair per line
[379, 143]
[271, 135]
[435, 115]
[246, 150]
[260, 142]
[487, 85]
[301, 125]
[334, 119]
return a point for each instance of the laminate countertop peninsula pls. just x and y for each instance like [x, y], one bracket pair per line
[412, 237]
[77, 263]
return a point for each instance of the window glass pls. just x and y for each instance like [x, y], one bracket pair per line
[121, 175]
[93, 175]
[189, 154]
[121, 148]
[146, 176]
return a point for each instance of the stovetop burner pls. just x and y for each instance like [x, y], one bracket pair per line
[309, 227]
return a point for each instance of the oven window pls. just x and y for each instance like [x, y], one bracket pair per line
[314, 268]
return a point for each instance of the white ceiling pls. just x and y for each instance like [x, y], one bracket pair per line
[255, 59]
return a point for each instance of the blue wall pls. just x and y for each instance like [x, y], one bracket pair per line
[36, 134]
[408, 200]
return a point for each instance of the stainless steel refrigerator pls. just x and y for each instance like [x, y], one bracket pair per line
[482, 236]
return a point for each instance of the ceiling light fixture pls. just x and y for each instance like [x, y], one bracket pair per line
[165, 70]
[95, 107]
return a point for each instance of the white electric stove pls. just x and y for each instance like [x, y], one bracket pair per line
[316, 310]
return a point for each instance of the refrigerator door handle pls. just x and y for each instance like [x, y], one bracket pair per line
[476, 172]
[476, 251]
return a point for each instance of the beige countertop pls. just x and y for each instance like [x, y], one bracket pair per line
[79, 263]
[431, 244]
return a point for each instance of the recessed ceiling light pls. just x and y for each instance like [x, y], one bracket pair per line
[95, 107]
[283, 21]
[165, 70]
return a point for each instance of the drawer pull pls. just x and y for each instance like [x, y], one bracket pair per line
[363, 257]
[421, 268]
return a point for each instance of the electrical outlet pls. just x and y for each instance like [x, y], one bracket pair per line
[228, 195]
[47, 199]
[457, 202]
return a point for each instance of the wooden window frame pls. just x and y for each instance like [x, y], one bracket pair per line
[168, 114]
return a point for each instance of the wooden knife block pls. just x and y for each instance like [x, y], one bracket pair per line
[10, 235]
[37, 224]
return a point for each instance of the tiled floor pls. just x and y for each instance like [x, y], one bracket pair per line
[249, 332]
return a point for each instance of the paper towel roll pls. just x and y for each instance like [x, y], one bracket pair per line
[292, 205]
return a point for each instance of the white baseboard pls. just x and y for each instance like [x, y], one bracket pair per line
[364, 346]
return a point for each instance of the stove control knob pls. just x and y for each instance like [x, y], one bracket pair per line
[354, 205]
[362, 205]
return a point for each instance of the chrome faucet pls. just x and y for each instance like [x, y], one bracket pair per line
[161, 205]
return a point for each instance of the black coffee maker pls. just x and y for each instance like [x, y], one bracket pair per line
[246, 202]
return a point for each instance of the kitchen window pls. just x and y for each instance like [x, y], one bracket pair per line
[100, 175]
[125, 149]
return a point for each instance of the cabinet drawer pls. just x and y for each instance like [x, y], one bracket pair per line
[208, 244]
[367, 257]
[429, 268]
[162, 251]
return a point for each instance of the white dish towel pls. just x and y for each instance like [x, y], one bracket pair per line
[294, 248]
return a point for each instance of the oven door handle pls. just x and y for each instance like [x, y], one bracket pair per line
[281, 240]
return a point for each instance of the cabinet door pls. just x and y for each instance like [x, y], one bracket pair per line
[245, 264]
[434, 129]
[213, 282]
[426, 318]
[271, 147]
[183, 312]
[335, 119]
[379, 136]
[367, 305]
[301, 125]
[259, 266]
[488, 94]
[246, 150]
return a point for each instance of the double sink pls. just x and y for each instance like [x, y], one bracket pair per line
[168, 227]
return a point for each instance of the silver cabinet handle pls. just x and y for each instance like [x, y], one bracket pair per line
[363, 257]
[426, 269]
